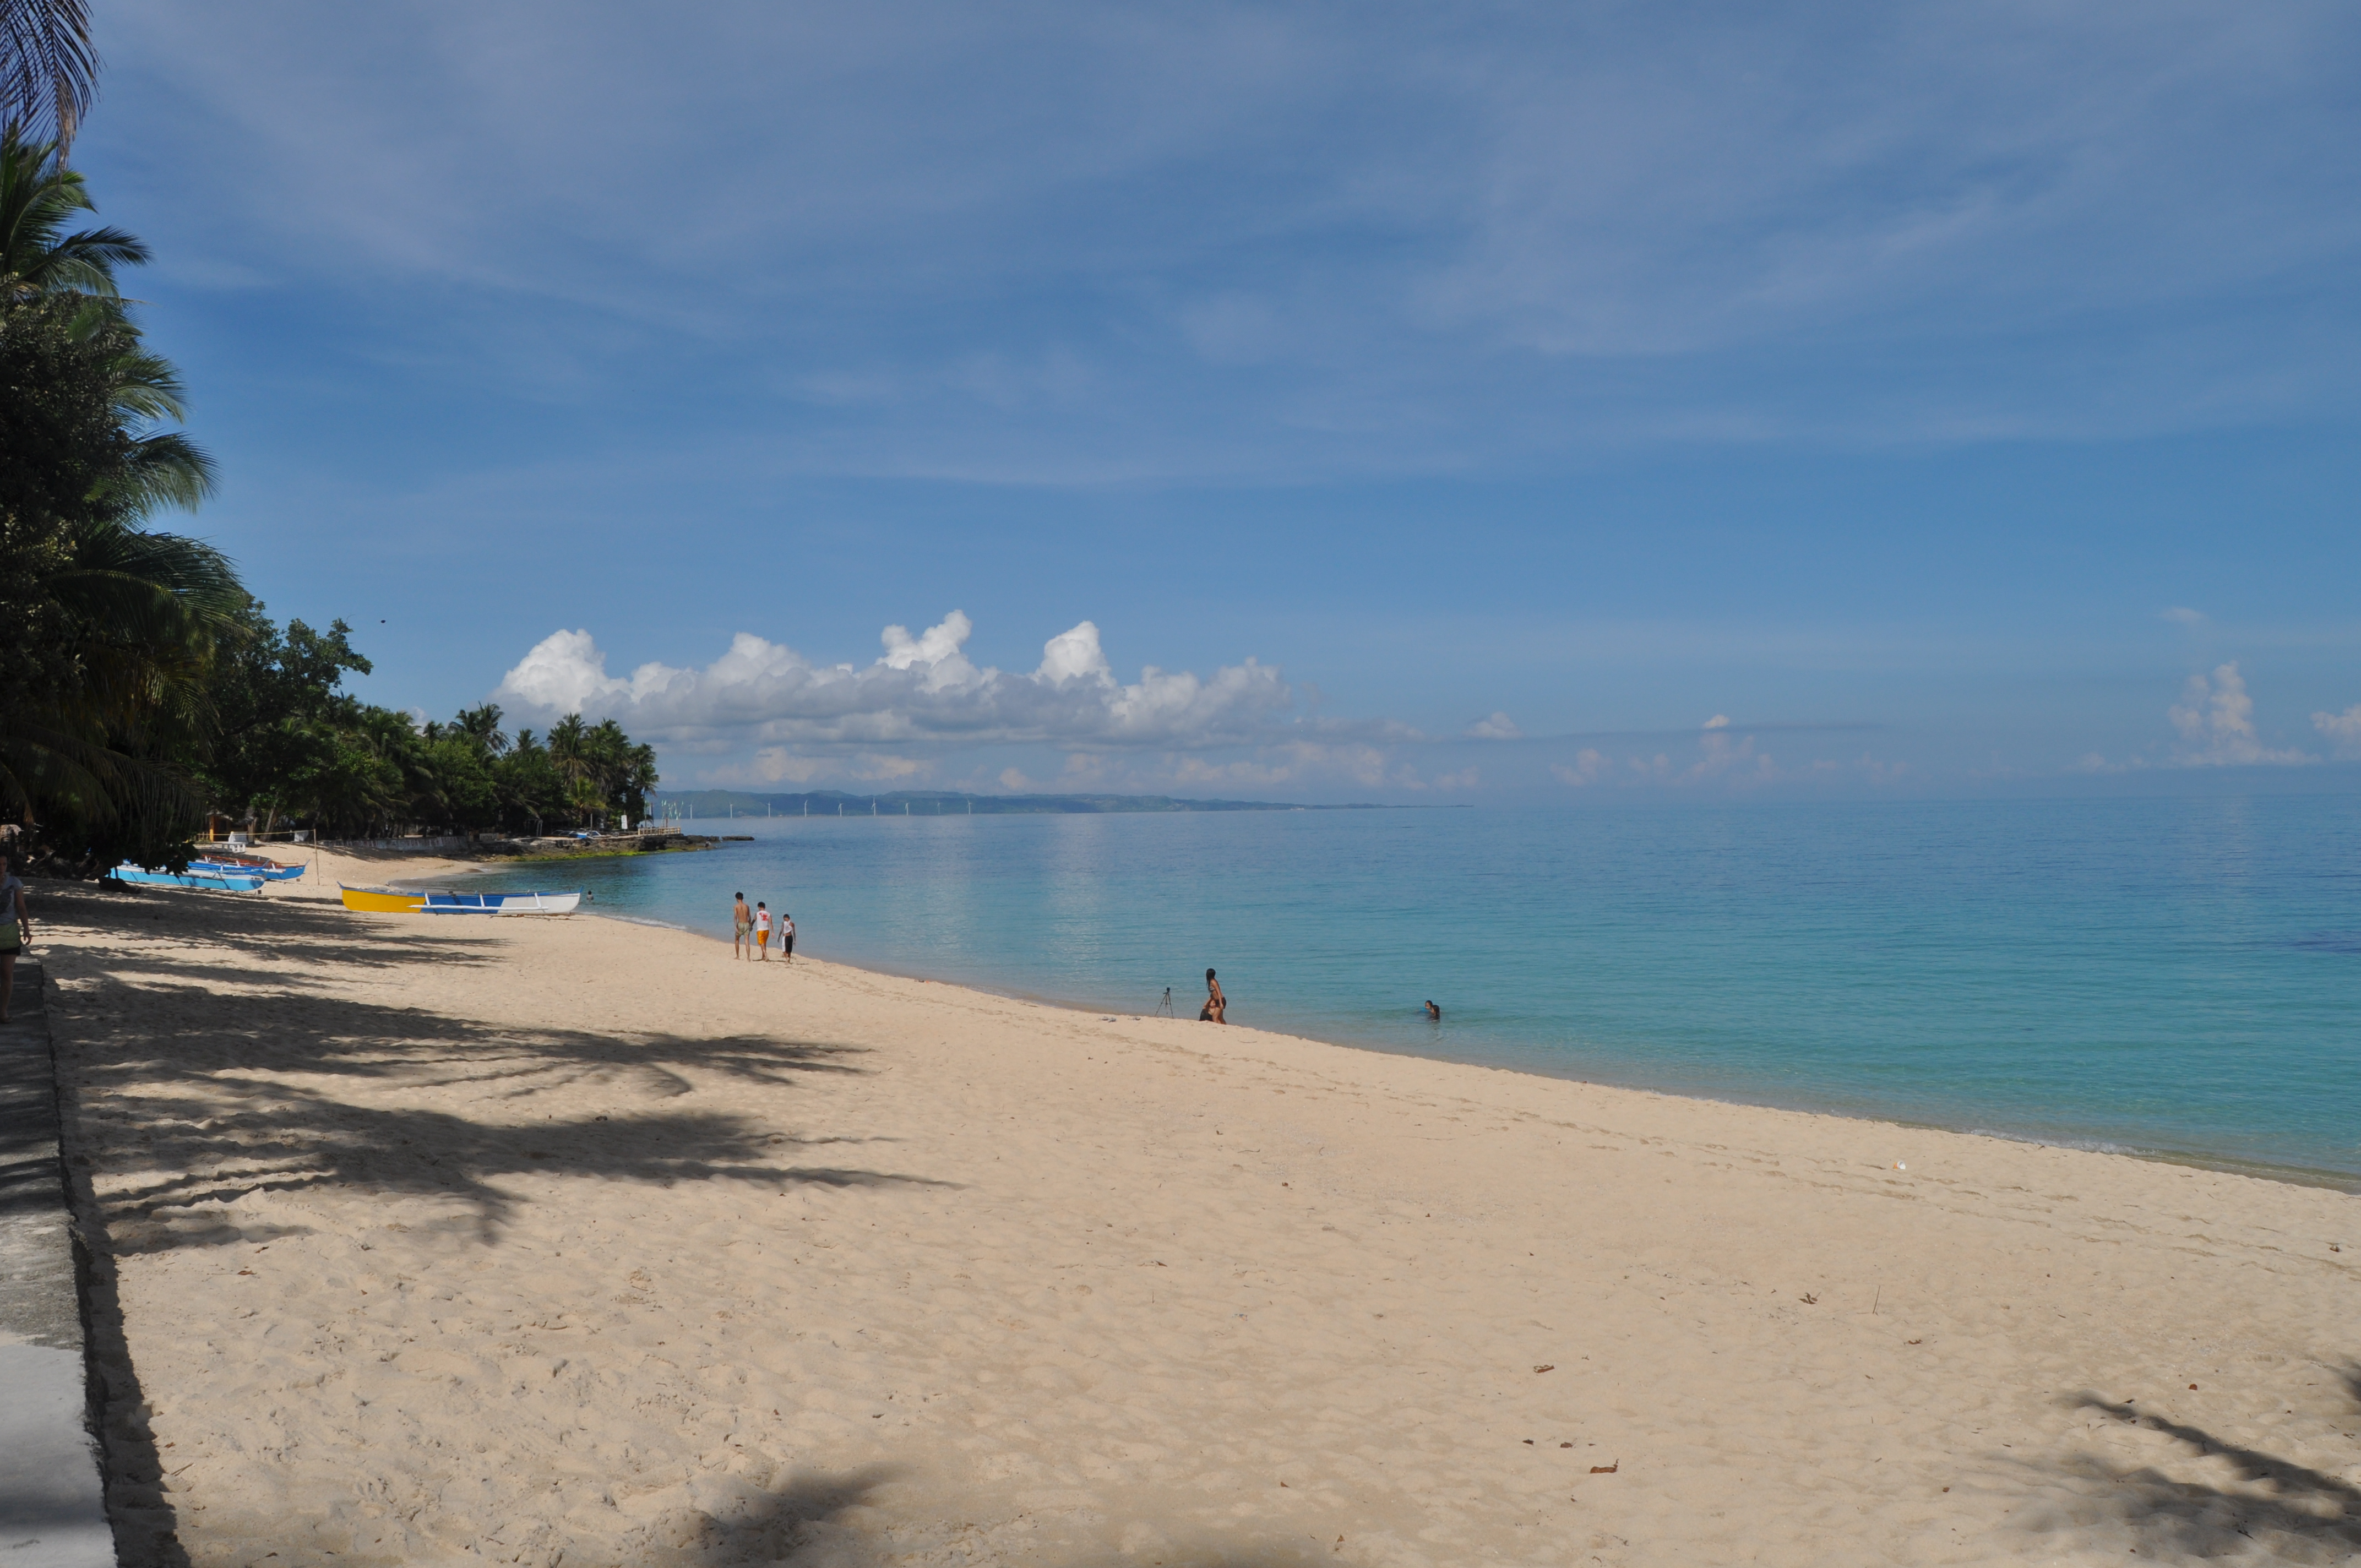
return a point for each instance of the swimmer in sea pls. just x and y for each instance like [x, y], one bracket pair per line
[1434, 1013]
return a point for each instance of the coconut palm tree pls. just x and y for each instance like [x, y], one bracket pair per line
[49, 69]
[482, 726]
[113, 627]
[569, 751]
[39, 197]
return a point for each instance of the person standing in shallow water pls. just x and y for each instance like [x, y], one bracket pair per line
[1215, 1003]
[741, 922]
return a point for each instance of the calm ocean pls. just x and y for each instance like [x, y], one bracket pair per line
[2171, 976]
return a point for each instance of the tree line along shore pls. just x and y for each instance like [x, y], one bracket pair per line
[145, 696]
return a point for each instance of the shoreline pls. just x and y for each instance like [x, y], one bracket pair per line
[562, 1240]
[2290, 1174]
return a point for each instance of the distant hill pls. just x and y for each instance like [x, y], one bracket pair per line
[719, 804]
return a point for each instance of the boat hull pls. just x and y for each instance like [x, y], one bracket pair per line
[268, 870]
[382, 900]
[389, 900]
[216, 882]
[502, 903]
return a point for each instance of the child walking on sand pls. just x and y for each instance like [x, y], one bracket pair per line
[763, 930]
[787, 936]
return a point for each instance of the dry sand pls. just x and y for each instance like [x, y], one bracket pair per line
[438, 1241]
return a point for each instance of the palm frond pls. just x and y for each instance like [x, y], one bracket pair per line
[49, 67]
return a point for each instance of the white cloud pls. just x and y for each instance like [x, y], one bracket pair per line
[2181, 615]
[2343, 731]
[1500, 727]
[924, 689]
[2216, 721]
[1719, 721]
[1588, 764]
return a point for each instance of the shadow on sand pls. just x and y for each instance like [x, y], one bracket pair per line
[813, 1520]
[162, 1050]
[2305, 1516]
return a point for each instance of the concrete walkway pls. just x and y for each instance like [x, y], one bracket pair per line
[52, 1512]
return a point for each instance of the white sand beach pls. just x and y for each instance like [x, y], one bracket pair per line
[442, 1241]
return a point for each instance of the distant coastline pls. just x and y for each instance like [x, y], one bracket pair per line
[721, 803]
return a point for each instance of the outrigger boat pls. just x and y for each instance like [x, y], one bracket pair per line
[392, 901]
[140, 876]
[224, 864]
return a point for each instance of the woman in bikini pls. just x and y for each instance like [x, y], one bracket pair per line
[1214, 1002]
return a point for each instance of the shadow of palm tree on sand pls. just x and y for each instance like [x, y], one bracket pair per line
[2297, 1514]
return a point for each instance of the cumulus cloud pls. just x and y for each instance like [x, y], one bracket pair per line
[924, 688]
[1719, 721]
[2216, 722]
[1588, 764]
[2343, 731]
[1500, 727]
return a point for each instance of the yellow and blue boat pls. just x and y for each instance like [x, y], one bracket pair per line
[390, 901]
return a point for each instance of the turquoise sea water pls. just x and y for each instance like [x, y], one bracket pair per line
[2171, 976]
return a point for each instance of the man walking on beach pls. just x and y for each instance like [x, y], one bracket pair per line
[763, 930]
[741, 921]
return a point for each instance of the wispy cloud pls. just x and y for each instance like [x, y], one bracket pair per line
[1498, 727]
[1494, 230]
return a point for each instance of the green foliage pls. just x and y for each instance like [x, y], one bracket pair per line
[107, 630]
[140, 686]
[48, 67]
[295, 749]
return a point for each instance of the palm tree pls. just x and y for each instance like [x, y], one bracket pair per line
[48, 71]
[569, 748]
[482, 725]
[115, 627]
[38, 196]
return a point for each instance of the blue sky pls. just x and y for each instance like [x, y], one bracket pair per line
[1441, 401]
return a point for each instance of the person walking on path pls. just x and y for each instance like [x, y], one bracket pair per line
[763, 930]
[16, 928]
[741, 921]
[1215, 1003]
[786, 937]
